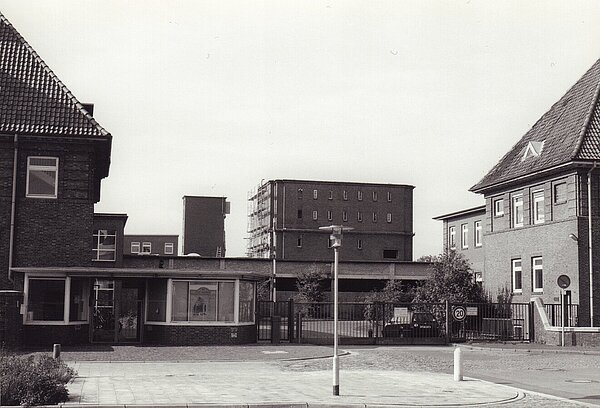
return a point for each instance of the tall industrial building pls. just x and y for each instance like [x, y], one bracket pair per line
[204, 225]
[284, 217]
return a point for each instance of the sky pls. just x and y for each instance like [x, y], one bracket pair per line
[211, 97]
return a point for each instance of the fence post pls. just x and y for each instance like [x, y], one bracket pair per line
[275, 329]
[299, 327]
[290, 325]
[448, 337]
[531, 322]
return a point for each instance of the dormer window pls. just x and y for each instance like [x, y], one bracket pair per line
[533, 149]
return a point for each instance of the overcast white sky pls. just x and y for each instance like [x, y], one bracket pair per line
[210, 97]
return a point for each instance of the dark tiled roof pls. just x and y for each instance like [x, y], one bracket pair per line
[570, 131]
[33, 100]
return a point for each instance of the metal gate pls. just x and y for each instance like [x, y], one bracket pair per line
[490, 321]
[393, 323]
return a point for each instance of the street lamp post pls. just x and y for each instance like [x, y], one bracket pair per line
[336, 243]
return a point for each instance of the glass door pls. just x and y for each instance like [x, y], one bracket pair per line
[129, 313]
[103, 311]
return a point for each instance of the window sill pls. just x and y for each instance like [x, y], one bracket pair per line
[42, 197]
[195, 324]
[53, 323]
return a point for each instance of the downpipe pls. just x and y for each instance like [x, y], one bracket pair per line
[590, 245]
[13, 206]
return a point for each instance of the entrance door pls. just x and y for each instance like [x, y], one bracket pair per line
[103, 311]
[117, 311]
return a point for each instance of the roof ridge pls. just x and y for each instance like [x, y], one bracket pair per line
[588, 116]
[54, 77]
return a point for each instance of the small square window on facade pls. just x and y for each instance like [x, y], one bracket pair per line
[560, 193]
[329, 215]
[315, 194]
[359, 216]
[359, 196]
[315, 215]
[452, 237]
[329, 243]
[517, 210]
[330, 195]
[168, 248]
[300, 194]
[345, 215]
[374, 217]
[374, 195]
[135, 247]
[105, 245]
[498, 207]
[389, 196]
[464, 236]
[390, 254]
[42, 177]
[517, 276]
[146, 247]
[389, 217]
[538, 207]
[477, 236]
[299, 242]
[345, 195]
[537, 271]
[299, 214]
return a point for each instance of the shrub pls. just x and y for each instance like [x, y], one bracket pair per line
[25, 380]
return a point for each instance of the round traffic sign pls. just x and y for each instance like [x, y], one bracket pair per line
[459, 313]
[563, 281]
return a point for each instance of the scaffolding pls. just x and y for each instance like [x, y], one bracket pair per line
[259, 221]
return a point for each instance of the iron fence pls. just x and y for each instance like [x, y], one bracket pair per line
[266, 311]
[554, 311]
[493, 321]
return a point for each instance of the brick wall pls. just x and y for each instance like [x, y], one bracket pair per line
[11, 321]
[199, 335]
[47, 335]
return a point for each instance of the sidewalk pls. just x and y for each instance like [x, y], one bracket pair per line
[264, 383]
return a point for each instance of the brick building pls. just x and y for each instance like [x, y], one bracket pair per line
[204, 225]
[285, 216]
[463, 232]
[141, 244]
[538, 224]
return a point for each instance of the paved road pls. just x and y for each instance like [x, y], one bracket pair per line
[375, 375]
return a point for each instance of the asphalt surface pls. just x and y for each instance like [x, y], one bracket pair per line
[501, 374]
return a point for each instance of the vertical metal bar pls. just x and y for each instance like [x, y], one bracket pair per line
[336, 367]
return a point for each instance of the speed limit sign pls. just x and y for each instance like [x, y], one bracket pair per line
[459, 313]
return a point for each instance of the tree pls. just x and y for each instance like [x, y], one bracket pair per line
[394, 291]
[452, 280]
[311, 284]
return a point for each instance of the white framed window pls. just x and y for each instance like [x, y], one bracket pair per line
[560, 193]
[389, 217]
[315, 215]
[105, 245]
[374, 217]
[389, 196]
[452, 237]
[135, 247]
[46, 299]
[359, 195]
[359, 216]
[345, 215]
[517, 210]
[538, 207]
[517, 276]
[537, 272]
[498, 207]
[42, 177]
[300, 194]
[374, 195]
[359, 244]
[299, 242]
[329, 215]
[203, 301]
[315, 194]
[464, 236]
[146, 247]
[168, 248]
[345, 195]
[477, 236]
[330, 195]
